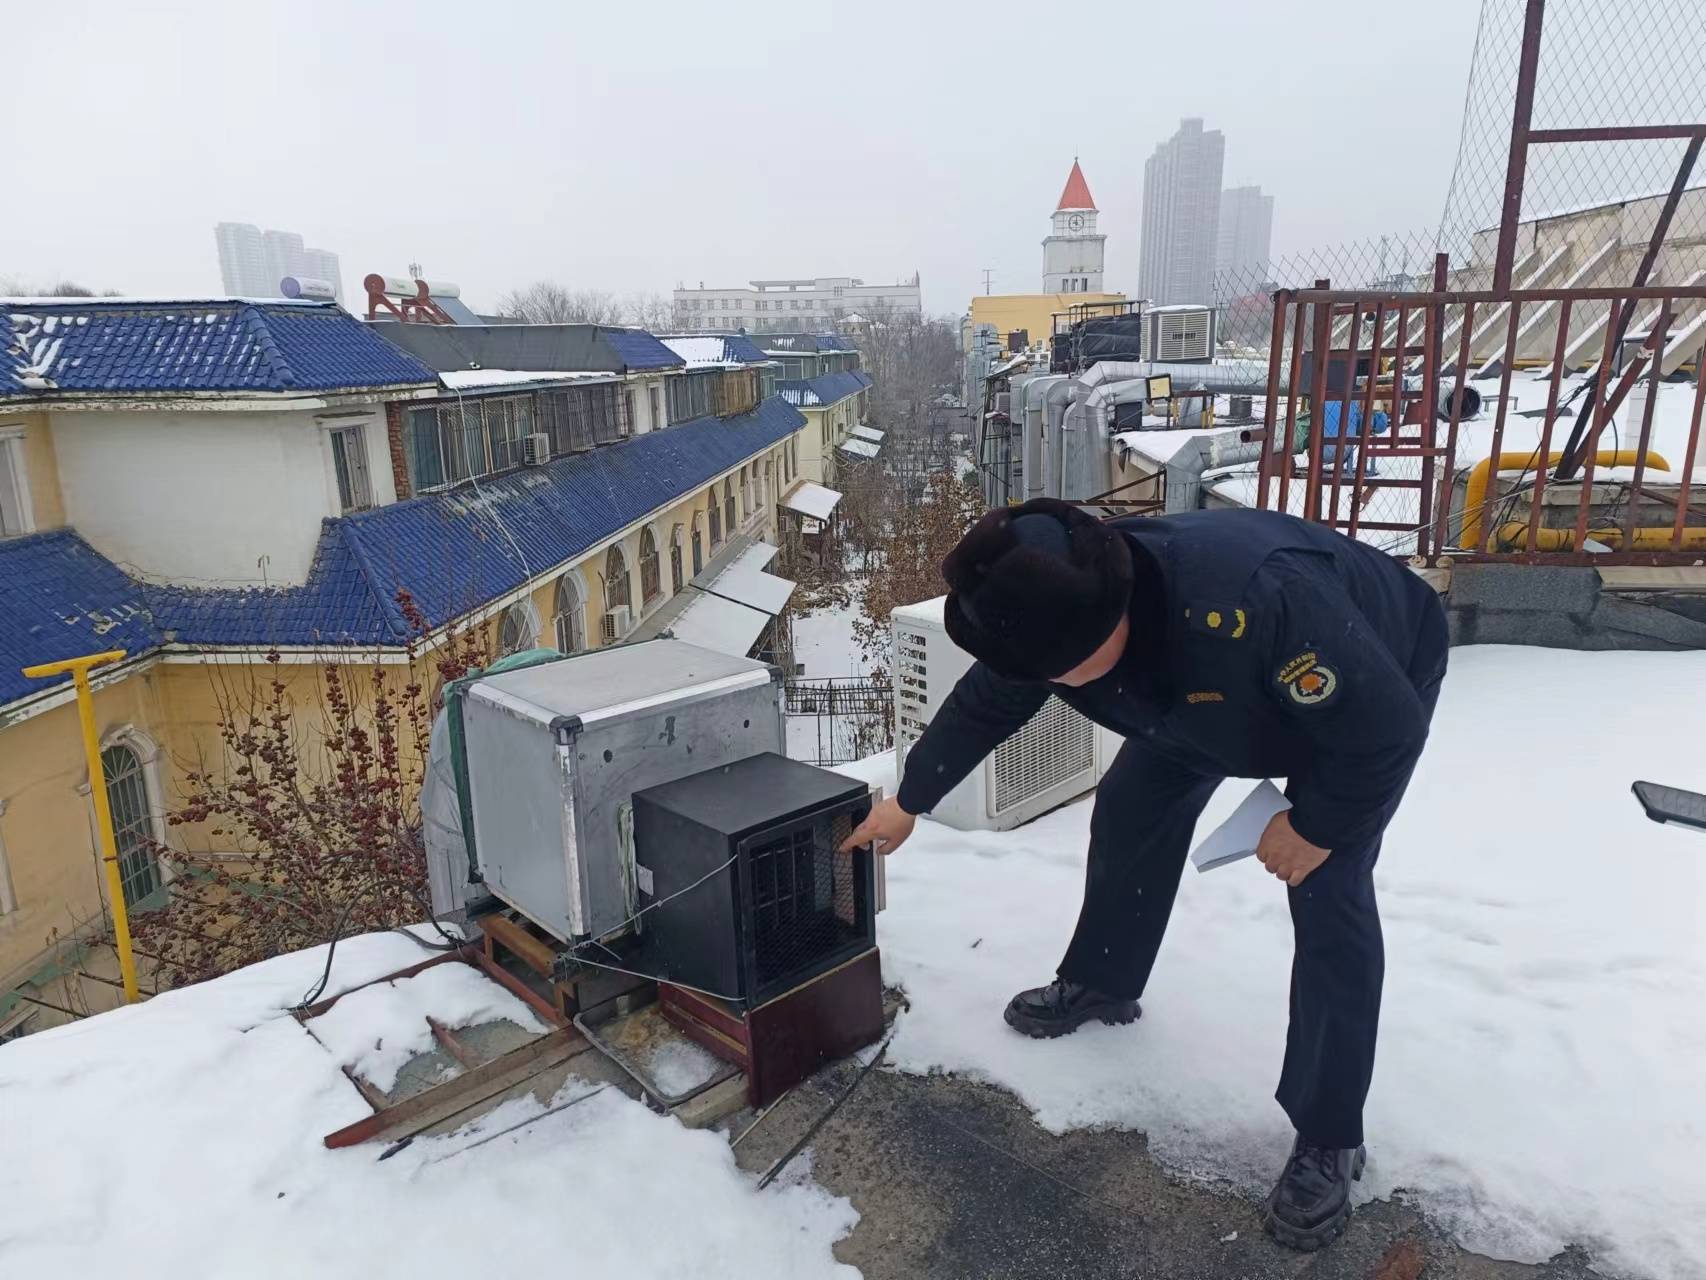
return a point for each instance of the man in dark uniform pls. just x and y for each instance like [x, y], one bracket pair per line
[1220, 644]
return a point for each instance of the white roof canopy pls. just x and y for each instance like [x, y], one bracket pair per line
[712, 622]
[867, 433]
[860, 448]
[812, 499]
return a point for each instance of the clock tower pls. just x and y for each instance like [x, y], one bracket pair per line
[1072, 252]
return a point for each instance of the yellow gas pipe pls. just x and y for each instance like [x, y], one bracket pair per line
[1480, 477]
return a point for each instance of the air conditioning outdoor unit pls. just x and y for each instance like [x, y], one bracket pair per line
[1051, 760]
[1179, 334]
[616, 623]
[1003, 401]
[535, 449]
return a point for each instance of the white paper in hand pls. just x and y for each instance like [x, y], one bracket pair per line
[1237, 837]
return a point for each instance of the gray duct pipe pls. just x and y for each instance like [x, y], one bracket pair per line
[1087, 435]
[1206, 453]
[1055, 402]
[1036, 391]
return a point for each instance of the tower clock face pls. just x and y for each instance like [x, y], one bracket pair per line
[1075, 222]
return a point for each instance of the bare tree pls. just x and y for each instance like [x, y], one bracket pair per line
[545, 302]
[653, 311]
[17, 287]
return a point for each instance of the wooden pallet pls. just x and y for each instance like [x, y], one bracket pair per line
[476, 1079]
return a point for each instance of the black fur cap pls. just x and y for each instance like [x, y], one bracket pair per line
[1034, 590]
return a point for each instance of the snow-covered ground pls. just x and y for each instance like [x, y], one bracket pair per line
[182, 1138]
[1540, 1078]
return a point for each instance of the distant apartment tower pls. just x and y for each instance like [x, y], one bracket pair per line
[1181, 216]
[1246, 232]
[803, 305]
[252, 261]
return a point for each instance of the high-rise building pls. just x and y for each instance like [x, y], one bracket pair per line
[1246, 232]
[1072, 251]
[1181, 216]
[252, 261]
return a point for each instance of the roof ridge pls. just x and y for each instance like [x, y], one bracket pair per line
[256, 320]
[341, 528]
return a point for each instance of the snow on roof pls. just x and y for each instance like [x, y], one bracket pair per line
[1161, 446]
[725, 626]
[1545, 975]
[469, 379]
[812, 499]
[860, 448]
[182, 1137]
[865, 432]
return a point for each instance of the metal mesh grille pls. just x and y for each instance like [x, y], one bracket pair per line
[804, 896]
[1054, 745]
[911, 689]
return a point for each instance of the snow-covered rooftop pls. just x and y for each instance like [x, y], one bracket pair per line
[471, 379]
[1539, 1077]
[183, 1137]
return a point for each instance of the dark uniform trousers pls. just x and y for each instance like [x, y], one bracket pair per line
[1140, 834]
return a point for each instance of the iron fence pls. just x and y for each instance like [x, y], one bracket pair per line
[837, 720]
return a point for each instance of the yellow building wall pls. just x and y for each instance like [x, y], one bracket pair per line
[52, 869]
[41, 466]
[1032, 312]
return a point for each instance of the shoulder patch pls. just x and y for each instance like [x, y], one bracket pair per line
[1229, 622]
[1308, 681]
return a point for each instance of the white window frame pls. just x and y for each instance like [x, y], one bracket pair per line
[147, 753]
[12, 446]
[356, 460]
[529, 616]
[8, 895]
[577, 621]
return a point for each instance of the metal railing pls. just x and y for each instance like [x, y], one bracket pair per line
[1431, 477]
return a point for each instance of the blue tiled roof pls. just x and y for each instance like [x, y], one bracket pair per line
[456, 550]
[59, 598]
[119, 346]
[639, 350]
[737, 346]
[824, 389]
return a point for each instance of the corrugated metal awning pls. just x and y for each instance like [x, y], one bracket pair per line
[859, 448]
[866, 433]
[711, 622]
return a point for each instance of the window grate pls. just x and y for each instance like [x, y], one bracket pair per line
[1055, 744]
[805, 902]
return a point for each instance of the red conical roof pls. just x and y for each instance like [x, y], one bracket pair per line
[1077, 192]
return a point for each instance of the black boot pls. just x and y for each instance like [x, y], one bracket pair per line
[1062, 1006]
[1312, 1203]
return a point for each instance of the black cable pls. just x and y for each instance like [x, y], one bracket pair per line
[315, 992]
[811, 1130]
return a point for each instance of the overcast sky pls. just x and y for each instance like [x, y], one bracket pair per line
[637, 146]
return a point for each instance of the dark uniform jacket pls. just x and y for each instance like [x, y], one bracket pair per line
[1272, 648]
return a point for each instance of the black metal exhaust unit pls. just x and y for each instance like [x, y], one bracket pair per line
[742, 893]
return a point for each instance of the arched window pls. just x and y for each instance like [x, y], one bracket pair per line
[716, 514]
[570, 616]
[651, 574]
[519, 628]
[616, 592]
[675, 559]
[729, 504]
[698, 545]
[133, 823]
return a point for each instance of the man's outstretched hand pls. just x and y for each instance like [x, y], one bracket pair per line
[886, 827]
[1287, 854]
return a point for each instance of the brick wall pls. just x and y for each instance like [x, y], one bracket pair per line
[394, 438]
